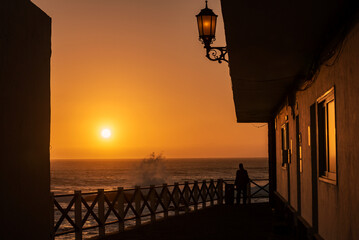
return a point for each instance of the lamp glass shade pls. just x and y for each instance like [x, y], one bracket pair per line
[207, 25]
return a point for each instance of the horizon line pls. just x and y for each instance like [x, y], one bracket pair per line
[141, 158]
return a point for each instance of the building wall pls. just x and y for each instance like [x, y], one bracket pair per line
[306, 175]
[286, 116]
[338, 208]
[25, 49]
[282, 176]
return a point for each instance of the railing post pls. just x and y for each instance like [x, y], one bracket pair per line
[78, 215]
[176, 198]
[249, 199]
[204, 193]
[195, 195]
[220, 191]
[165, 201]
[152, 203]
[186, 196]
[211, 192]
[101, 212]
[121, 209]
[52, 215]
[138, 205]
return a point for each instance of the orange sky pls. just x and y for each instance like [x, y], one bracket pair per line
[137, 67]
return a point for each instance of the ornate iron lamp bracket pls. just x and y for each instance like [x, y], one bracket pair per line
[217, 54]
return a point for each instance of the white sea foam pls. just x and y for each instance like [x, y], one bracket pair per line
[151, 171]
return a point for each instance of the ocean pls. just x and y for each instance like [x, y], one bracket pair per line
[90, 175]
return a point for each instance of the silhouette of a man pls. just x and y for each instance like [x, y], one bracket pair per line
[241, 183]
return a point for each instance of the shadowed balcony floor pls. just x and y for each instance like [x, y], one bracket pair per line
[255, 221]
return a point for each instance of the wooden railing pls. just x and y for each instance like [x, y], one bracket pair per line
[260, 187]
[80, 215]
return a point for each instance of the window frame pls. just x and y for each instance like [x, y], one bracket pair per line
[285, 144]
[324, 172]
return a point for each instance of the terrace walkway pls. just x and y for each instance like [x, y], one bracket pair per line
[253, 221]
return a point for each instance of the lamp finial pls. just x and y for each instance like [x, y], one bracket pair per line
[206, 4]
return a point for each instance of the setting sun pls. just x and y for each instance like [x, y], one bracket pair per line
[106, 133]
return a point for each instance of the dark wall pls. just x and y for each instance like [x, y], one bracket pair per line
[25, 50]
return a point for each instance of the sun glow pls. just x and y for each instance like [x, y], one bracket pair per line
[106, 133]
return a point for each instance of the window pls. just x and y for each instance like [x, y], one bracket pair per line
[285, 143]
[327, 136]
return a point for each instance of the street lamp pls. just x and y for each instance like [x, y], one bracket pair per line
[207, 21]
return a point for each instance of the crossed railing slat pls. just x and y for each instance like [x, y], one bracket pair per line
[260, 188]
[130, 204]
